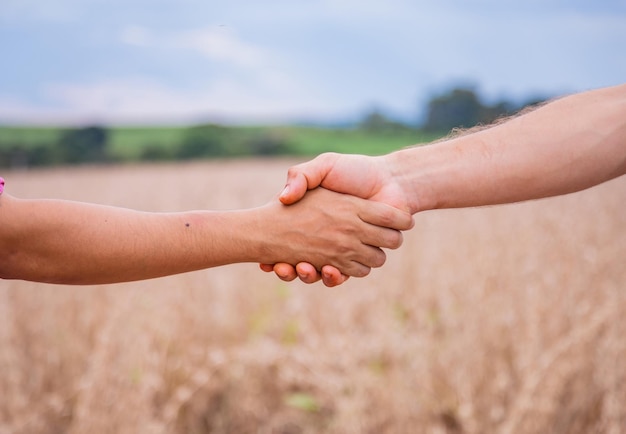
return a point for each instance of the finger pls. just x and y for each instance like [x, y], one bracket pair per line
[268, 268]
[368, 257]
[384, 215]
[361, 261]
[381, 237]
[285, 272]
[332, 276]
[307, 272]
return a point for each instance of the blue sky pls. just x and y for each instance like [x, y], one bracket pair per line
[145, 61]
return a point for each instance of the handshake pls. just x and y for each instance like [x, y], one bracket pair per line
[343, 210]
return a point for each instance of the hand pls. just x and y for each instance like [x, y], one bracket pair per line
[331, 228]
[358, 175]
[362, 176]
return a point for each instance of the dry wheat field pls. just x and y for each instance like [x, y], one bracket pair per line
[507, 319]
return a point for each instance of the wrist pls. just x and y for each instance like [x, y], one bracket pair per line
[409, 170]
[227, 237]
[263, 233]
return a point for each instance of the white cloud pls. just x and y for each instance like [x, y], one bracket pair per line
[220, 43]
[108, 101]
[144, 100]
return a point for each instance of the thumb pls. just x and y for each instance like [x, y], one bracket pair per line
[305, 176]
[295, 188]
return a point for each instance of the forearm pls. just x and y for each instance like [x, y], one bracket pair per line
[567, 145]
[78, 243]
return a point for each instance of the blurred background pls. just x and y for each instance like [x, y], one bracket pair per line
[405, 67]
[507, 319]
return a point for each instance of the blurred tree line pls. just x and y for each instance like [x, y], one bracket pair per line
[211, 140]
[92, 145]
[459, 107]
[81, 145]
[462, 108]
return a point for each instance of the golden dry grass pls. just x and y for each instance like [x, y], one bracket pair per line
[507, 319]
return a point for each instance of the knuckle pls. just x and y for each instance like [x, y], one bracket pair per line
[386, 217]
[328, 156]
[293, 171]
[344, 248]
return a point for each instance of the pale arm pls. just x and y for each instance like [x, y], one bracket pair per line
[567, 145]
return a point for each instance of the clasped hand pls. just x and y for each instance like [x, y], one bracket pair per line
[386, 212]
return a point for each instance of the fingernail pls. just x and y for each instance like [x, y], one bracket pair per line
[285, 191]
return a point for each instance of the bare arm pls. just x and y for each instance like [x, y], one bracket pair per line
[78, 243]
[567, 145]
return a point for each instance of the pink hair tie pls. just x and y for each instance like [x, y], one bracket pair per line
[1, 184]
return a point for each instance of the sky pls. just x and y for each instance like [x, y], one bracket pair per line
[239, 61]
